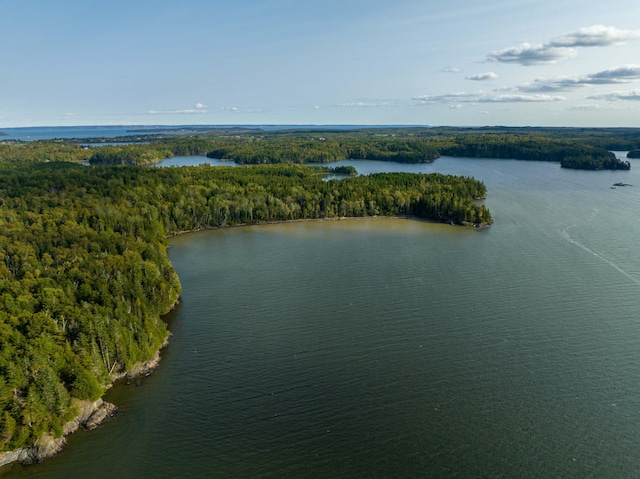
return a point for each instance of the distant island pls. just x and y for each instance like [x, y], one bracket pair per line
[634, 154]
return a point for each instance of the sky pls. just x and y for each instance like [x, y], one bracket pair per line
[373, 62]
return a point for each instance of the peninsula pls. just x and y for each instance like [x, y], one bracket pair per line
[85, 277]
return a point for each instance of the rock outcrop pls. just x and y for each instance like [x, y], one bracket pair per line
[91, 415]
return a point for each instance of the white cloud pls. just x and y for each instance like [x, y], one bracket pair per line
[532, 54]
[482, 97]
[521, 98]
[563, 47]
[237, 109]
[482, 76]
[631, 95]
[451, 70]
[366, 104]
[174, 112]
[587, 107]
[621, 74]
[455, 97]
[596, 36]
[610, 76]
[197, 108]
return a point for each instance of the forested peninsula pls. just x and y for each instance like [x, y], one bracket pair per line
[84, 271]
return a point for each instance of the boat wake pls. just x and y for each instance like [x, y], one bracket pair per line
[565, 234]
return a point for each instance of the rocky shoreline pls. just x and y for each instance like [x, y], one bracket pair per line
[91, 416]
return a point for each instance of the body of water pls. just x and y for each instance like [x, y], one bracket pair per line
[381, 348]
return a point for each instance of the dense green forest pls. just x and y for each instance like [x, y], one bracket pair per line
[84, 271]
[572, 148]
[328, 147]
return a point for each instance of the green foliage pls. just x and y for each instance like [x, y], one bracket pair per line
[41, 151]
[633, 154]
[342, 170]
[84, 271]
[570, 154]
[571, 147]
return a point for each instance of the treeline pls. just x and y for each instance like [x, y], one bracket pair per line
[148, 153]
[84, 278]
[568, 154]
[322, 150]
[269, 150]
[299, 147]
[42, 151]
[84, 271]
[288, 148]
[634, 154]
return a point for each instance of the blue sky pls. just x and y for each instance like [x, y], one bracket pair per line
[459, 62]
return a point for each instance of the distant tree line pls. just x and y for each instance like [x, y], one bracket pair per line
[568, 153]
[298, 147]
[276, 149]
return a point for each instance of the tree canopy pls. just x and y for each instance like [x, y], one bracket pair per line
[84, 271]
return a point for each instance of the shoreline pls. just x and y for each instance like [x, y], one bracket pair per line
[91, 416]
[341, 218]
[94, 414]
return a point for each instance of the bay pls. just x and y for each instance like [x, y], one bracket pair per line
[398, 348]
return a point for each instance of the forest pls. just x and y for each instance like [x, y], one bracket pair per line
[326, 147]
[84, 271]
[571, 148]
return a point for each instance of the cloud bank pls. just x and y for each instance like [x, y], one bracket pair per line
[611, 76]
[482, 76]
[482, 97]
[631, 95]
[197, 108]
[564, 47]
[367, 104]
